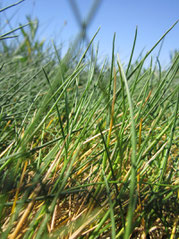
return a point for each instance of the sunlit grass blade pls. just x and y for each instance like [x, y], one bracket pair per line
[133, 179]
[132, 52]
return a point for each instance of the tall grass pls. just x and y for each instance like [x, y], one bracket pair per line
[87, 151]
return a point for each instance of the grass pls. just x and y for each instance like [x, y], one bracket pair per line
[87, 151]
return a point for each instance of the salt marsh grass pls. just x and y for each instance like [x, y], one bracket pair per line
[87, 151]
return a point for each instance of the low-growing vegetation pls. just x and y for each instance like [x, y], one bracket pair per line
[86, 150]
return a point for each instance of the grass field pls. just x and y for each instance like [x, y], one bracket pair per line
[86, 150]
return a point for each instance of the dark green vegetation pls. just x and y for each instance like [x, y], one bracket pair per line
[86, 151]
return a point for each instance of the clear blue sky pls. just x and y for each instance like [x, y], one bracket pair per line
[153, 18]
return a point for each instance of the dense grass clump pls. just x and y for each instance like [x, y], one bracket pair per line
[87, 151]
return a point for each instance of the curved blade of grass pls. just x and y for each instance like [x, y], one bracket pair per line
[132, 52]
[14, 30]
[133, 179]
[12, 5]
[8, 37]
[112, 66]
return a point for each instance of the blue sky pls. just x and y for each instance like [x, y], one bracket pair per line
[57, 21]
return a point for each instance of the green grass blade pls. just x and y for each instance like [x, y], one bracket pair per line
[133, 179]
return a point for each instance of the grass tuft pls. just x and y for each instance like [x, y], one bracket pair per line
[86, 151]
